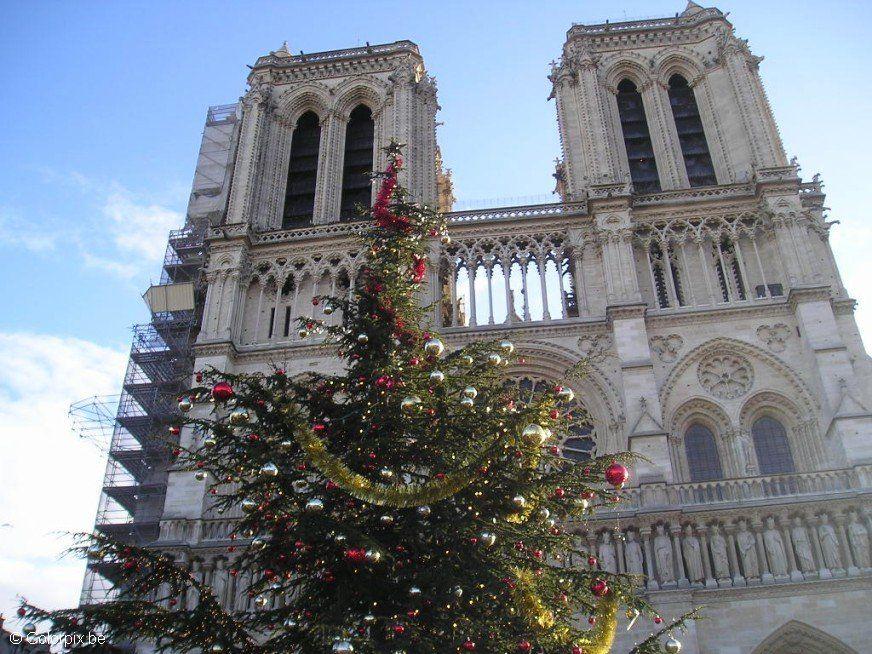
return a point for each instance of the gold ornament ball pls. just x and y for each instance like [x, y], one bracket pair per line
[434, 347]
[467, 403]
[258, 543]
[209, 441]
[28, 628]
[466, 360]
[534, 432]
[386, 520]
[248, 506]
[494, 359]
[363, 339]
[672, 646]
[470, 392]
[519, 501]
[386, 473]
[507, 346]
[373, 556]
[437, 377]
[328, 310]
[200, 475]
[238, 417]
[303, 333]
[445, 240]
[410, 403]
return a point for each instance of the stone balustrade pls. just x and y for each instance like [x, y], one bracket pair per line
[708, 535]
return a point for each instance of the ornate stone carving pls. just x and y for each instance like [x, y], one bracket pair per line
[595, 345]
[774, 336]
[720, 559]
[666, 348]
[725, 375]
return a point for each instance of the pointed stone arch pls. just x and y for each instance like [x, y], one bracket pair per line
[796, 636]
[595, 391]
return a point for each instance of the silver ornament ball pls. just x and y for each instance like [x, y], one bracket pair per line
[269, 470]
[342, 647]
[471, 392]
[437, 377]
[494, 359]
[315, 505]
[434, 347]
[488, 538]
[363, 339]
[672, 646]
[423, 511]
[248, 506]
[238, 417]
[386, 473]
[467, 402]
[507, 346]
[185, 404]
[519, 501]
[410, 403]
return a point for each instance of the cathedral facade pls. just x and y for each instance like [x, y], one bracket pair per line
[684, 257]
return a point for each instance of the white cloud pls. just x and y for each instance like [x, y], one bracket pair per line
[16, 232]
[50, 477]
[123, 270]
[139, 228]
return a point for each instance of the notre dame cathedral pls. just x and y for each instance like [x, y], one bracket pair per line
[683, 255]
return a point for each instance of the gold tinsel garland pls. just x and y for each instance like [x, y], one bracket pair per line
[597, 640]
[396, 496]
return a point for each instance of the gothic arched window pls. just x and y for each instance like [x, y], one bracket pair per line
[703, 460]
[357, 165]
[302, 172]
[772, 447]
[691, 137]
[637, 139]
[666, 275]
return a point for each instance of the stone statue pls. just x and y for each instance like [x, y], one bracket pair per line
[774, 545]
[633, 554]
[829, 544]
[747, 550]
[192, 595]
[219, 582]
[802, 546]
[242, 591]
[858, 537]
[607, 557]
[692, 555]
[663, 555]
[745, 452]
[719, 554]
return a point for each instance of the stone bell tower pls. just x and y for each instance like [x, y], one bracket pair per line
[351, 103]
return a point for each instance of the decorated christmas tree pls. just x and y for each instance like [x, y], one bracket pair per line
[414, 503]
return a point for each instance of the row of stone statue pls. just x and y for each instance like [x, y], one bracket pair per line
[733, 552]
[738, 552]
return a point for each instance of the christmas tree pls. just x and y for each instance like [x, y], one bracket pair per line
[415, 503]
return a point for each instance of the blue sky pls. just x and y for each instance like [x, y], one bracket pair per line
[103, 108]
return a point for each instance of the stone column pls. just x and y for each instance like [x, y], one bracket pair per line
[679, 558]
[645, 535]
[255, 105]
[706, 563]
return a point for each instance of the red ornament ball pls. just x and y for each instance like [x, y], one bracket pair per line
[577, 650]
[22, 612]
[469, 645]
[617, 474]
[524, 646]
[599, 587]
[657, 619]
[222, 391]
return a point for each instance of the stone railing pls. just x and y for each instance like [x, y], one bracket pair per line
[516, 213]
[741, 491]
[730, 533]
